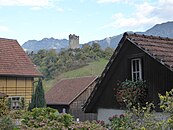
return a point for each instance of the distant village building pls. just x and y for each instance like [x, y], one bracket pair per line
[73, 41]
[17, 73]
[69, 95]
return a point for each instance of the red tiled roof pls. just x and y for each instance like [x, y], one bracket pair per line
[14, 61]
[66, 90]
[159, 48]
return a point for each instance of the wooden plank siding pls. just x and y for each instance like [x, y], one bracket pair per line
[76, 106]
[159, 79]
[17, 86]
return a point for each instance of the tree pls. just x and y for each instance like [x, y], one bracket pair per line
[39, 95]
[38, 98]
[108, 53]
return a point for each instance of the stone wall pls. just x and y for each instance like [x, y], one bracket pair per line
[73, 41]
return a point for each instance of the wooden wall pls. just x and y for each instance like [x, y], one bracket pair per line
[76, 106]
[17, 86]
[159, 79]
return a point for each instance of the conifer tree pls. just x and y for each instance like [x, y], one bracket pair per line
[39, 95]
[38, 98]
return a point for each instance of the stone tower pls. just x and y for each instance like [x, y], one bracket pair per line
[73, 41]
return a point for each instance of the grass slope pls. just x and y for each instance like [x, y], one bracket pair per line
[93, 69]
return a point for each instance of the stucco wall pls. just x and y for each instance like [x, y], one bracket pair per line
[104, 114]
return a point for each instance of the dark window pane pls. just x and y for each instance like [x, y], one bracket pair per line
[134, 69]
[134, 76]
[137, 76]
[137, 65]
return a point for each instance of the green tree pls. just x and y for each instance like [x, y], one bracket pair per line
[39, 95]
[52, 63]
[108, 53]
[38, 98]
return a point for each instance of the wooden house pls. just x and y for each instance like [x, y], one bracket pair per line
[137, 57]
[68, 96]
[17, 72]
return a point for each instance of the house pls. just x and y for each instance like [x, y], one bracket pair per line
[17, 72]
[68, 96]
[137, 57]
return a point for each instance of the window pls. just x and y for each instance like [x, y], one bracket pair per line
[136, 69]
[16, 102]
[63, 110]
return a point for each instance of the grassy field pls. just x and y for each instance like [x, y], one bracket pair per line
[93, 69]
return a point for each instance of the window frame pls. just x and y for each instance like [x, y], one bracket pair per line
[138, 69]
[16, 102]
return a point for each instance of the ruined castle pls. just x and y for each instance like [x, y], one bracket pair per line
[73, 41]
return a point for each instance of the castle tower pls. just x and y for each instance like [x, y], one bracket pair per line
[73, 41]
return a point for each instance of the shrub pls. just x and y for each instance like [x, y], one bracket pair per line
[118, 122]
[143, 117]
[6, 123]
[133, 91]
[66, 119]
[94, 125]
[4, 106]
[45, 118]
[16, 114]
[166, 104]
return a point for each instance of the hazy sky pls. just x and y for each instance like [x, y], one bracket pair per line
[90, 19]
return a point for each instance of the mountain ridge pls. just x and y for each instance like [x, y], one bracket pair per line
[163, 30]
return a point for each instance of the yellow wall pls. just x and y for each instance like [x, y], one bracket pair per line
[15, 86]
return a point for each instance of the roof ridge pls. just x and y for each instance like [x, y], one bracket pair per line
[7, 39]
[78, 77]
[64, 79]
[127, 34]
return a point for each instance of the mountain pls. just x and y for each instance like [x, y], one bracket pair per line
[46, 43]
[107, 42]
[163, 30]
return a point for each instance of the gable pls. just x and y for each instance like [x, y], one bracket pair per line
[155, 47]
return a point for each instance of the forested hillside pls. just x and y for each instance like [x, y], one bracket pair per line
[51, 63]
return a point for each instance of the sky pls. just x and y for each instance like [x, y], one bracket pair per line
[25, 20]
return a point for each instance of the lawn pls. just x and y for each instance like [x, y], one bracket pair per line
[93, 69]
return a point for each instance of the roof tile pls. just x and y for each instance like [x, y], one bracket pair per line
[67, 89]
[160, 48]
[14, 61]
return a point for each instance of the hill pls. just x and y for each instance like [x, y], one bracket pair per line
[93, 69]
[163, 30]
